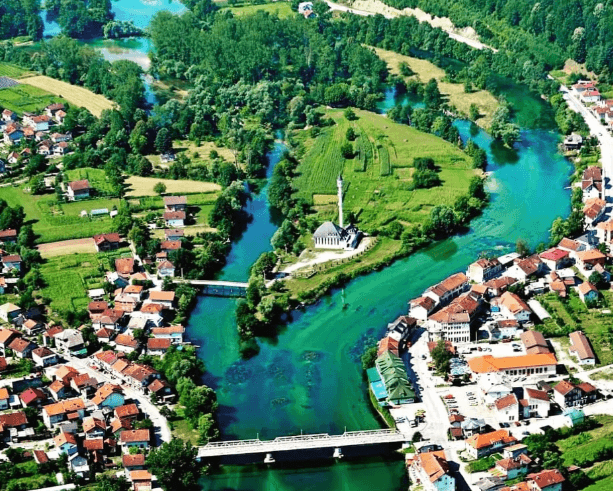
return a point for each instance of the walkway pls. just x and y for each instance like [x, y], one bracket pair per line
[221, 284]
[300, 442]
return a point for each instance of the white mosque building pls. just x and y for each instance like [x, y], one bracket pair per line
[332, 236]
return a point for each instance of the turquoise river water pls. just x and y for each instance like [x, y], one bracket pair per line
[309, 378]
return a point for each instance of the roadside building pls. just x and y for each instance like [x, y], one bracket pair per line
[540, 364]
[70, 341]
[483, 270]
[44, 357]
[568, 394]
[107, 242]
[70, 409]
[538, 402]
[451, 287]
[593, 210]
[393, 374]
[523, 269]
[507, 409]
[109, 395]
[166, 269]
[420, 308]
[480, 445]
[165, 299]
[555, 258]
[534, 343]
[547, 480]
[135, 438]
[587, 260]
[580, 348]
[433, 471]
[514, 307]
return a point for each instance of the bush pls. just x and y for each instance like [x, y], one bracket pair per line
[347, 150]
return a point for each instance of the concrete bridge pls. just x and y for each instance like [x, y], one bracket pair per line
[219, 288]
[300, 442]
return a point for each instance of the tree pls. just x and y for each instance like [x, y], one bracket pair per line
[37, 184]
[522, 248]
[596, 279]
[473, 112]
[369, 357]
[163, 141]
[159, 188]
[347, 150]
[432, 95]
[441, 357]
[109, 483]
[138, 138]
[350, 134]
[175, 465]
[417, 437]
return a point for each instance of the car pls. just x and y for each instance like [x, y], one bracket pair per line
[505, 425]
[423, 357]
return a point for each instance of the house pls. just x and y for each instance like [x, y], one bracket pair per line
[514, 307]
[483, 444]
[141, 479]
[512, 468]
[174, 218]
[125, 303]
[8, 312]
[78, 464]
[583, 85]
[580, 348]
[498, 286]
[448, 289]
[4, 286]
[135, 462]
[127, 412]
[22, 348]
[70, 341]
[109, 319]
[5, 397]
[3, 364]
[593, 210]
[125, 343]
[540, 364]
[175, 203]
[134, 438]
[449, 325]
[157, 347]
[44, 357]
[70, 409]
[538, 402]
[11, 262]
[17, 421]
[570, 245]
[555, 258]
[9, 116]
[65, 374]
[32, 327]
[52, 109]
[59, 390]
[587, 292]
[166, 269]
[78, 190]
[134, 291]
[107, 242]
[432, 471]
[525, 268]
[567, 394]
[493, 387]
[174, 234]
[168, 246]
[105, 335]
[420, 307]
[124, 266]
[161, 389]
[507, 328]
[507, 409]
[7, 335]
[590, 96]
[96, 308]
[589, 259]
[165, 299]
[59, 116]
[32, 396]
[140, 376]
[109, 395]
[66, 443]
[483, 270]
[40, 457]
[573, 142]
[547, 480]
[8, 235]
[591, 182]
[84, 385]
[13, 135]
[534, 342]
[174, 333]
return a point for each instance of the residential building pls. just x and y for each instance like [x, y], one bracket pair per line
[166, 269]
[604, 231]
[107, 242]
[480, 445]
[66, 443]
[134, 462]
[11, 262]
[175, 203]
[514, 307]
[567, 394]
[432, 470]
[580, 348]
[5, 397]
[420, 308]
[443, 292]
[587, 292]
[124, 266]
[70, 341]
[157, 347]
[161, 389]
[538, 402]
[70, 409]
[16, 421]
[32, 397]
[125, 343]
[507, 409]
[22, 348]
[8, 236]
[174, 218]
[174, 234]
[570, 245]
[593, 210]
[540, 364]
[96, 308]
[127, 412]
[534, 343]
[134, 438]
[110, 396]
[7, 335]
[573, 142]
[44, 357]
[78, 190]
[174, 333]
[555, 258]
[498, 286]
[587, 260]
[547, 480]
[168, 246]
[9, 311]
[32, 327]
[165, 299]
[523, 269]
[134, 291]
[125, 303]
[483, 270]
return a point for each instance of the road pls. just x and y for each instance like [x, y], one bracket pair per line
[600, 131]
[391, 13]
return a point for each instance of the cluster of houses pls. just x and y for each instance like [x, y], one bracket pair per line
[37, 128]
[588, 93]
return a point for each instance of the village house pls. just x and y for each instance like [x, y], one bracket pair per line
[514, 307]
[481, 445]
[44, 357]
[32, 327]
[7, 335]
[483, 270]
[8, 312]
[493, 387]
[534, 343]
[538, 402]
[507, 409]
[109, 319]
[32, 397]
[78, 190]
[12, 422]
[52, 109]
[134, 462]
[125, 343]
[175, 203]
[583, 85]
[13, 135]
[84, 385]
[22, 348]
[11, 262]
[573, 142]
[124, 266]
[590, 96]
[498, 286]
[70, 341]
[157, 347]
[9, 116]
[593, 210]
[174, 218]
[110, 396]
[160, 257]
[174, 234]
[140, 480]
[163, 298]
[523, 269]
[604, 231]
[105, 335]
[66, 443]
[587, 292]
[8, 236]
[540, 364]
[174, 333]
[547, 480]
[511, 468]
[168, 246]
[420, 308]
[581, 349]
[166, 269]
[555, 258]
[59, 390]
[571, 246]
[128, 412]
[96, 308]
[567, 394]
[448, 289]
[591, 183]
[125, 303]
[69, 409]
[134, 438]
[134, 291]
[432, 470]
[107, 242]
[5, 397]
[78, 464]
[161, 389]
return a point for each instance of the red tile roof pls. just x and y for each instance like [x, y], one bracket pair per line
[484, 440]
[132, 436]
[546, 478]
[79, 185]
[581, 346]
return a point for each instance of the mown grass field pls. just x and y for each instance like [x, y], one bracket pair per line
[69, 277]
[26, 98]
[79, 96]
[203, 150]
[8, 70]
[143, 186]
[378, 198]
[96, 177]
[281, 8]
[457, 97]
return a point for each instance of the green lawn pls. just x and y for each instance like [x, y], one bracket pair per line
[69, 277]
[96, 177]
[8, 70]
[281, 8]
[379, 198]
[583, 449]
[26, 98]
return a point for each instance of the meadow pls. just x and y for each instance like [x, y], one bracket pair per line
[69, 277]
[79, 96]
[8, 70]
[382, 191]
[143, 186]
[425, 71]
[25, 98]
[587, 447]
[282, 9]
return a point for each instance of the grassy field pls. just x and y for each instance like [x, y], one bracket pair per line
[457, 97]
[143, 186]
[69, 277]
[8, 70]
[79, 96]
[282, 9]
[96, 177]
[202, 150]
[582, 449]
[26, 98]
[376, 197]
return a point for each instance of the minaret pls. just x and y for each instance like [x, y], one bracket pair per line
[339, 185]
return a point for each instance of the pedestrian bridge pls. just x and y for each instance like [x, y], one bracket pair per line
[300, 442]
[219, 288]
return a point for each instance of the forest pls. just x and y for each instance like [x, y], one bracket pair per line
[20, 18]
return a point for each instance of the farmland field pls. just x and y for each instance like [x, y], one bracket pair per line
[143, 186]
[8, 70]
[96, 177]
[381, 192]
[282, 9]
[69, 277]
[65, 247]
[79, 96]
[25, 98]
[426, 70]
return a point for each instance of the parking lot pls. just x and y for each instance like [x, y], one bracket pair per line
[468, 402]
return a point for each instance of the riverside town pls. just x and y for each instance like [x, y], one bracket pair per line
[295, 245]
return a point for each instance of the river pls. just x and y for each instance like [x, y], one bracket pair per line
[309, 378]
